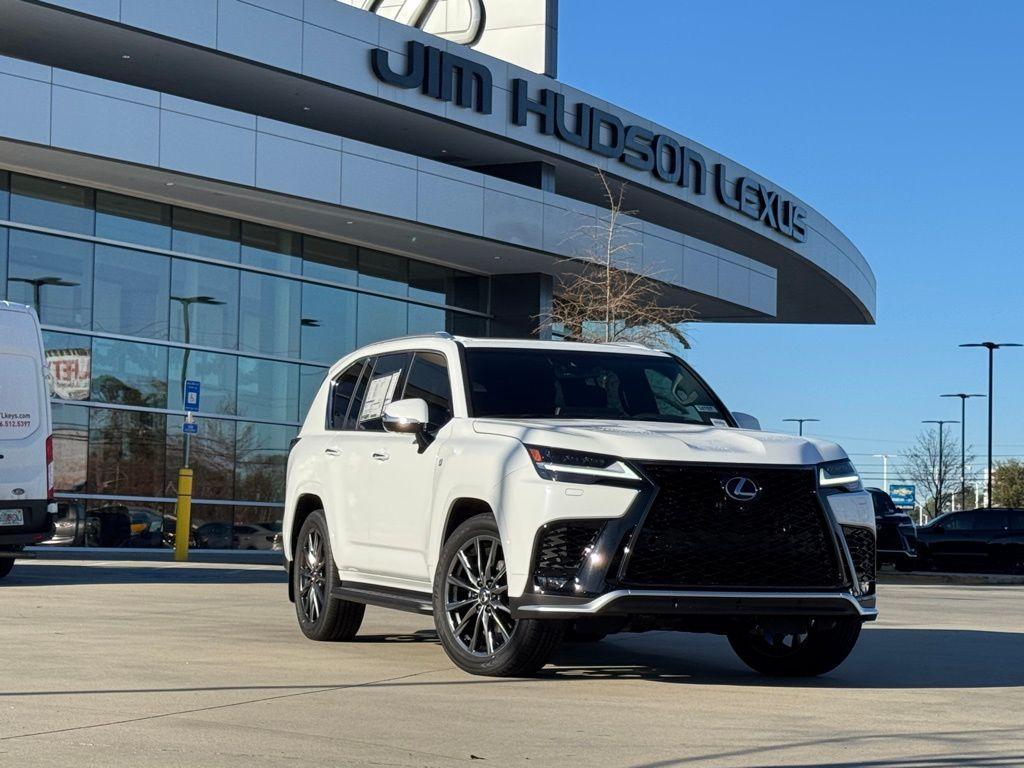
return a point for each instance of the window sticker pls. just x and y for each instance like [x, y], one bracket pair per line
[379, 393]
[719, 423]
[707, 409]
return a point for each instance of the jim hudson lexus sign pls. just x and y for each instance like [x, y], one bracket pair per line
[451, 78]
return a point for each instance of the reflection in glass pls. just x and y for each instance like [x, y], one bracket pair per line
[131, 292]
[383, 272]
[212, 526]
[269, 322]
[52, 274]
[132, 220]
[205, 235]
[51, 204]
[129, 373]
[69, 358]
[216, 373]
[271, 248]
[310, 379]
[261, 456]
[126, 452]
[211, 457]
[380, 319]
[70, 447]
[258, 527]
[429, 282]
[204, 304]
[328, 260]
[3, 258]
[426, 319]
[467, 325]
[5, 195]
[328, 323]
[268, 389]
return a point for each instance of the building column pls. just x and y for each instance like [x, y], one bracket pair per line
[520, 305]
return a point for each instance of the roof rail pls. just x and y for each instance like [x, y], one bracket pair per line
[632, 344]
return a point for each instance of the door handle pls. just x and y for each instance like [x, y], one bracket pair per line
[381, 455]
[332, 451]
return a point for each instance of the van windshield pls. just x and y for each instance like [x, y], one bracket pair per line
[19, 396]
[555, 384]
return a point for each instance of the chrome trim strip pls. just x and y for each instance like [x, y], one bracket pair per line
[600, 603]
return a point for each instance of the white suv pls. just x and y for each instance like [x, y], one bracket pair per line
[522, 491]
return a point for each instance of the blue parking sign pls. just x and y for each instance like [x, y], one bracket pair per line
[190, 427]
[191, 395]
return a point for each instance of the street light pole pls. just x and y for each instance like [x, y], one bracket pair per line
[991, 346]
[938, 485]
[964, 397]
[801, 422]
[885, 469]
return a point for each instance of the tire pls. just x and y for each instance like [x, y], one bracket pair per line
[821, 649]
[314, 575]
[6, 566]
[906, 565]
[479, 635]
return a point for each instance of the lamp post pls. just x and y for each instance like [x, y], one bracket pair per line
[885, 469]
[938, 485]
[37, 284]
[991, 346]
[801, 422]
[964, 397]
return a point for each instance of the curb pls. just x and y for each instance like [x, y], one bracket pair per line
[228, 556]
[962, 579]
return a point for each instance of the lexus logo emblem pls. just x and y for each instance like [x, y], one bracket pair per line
[741, 489]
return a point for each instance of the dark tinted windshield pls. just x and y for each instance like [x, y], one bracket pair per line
[552, 384]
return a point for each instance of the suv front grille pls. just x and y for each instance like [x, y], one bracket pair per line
[861, 543]
[695, 535]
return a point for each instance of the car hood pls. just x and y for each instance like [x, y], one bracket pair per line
[654, 441]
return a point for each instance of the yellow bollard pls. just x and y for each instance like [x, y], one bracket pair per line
[184, 513]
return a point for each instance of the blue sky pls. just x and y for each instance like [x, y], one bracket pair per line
[903, 123]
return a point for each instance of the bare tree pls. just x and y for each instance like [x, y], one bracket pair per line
[939, 481]
[600, 302]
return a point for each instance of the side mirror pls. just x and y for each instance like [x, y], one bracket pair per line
[408, 417]
[746, 421]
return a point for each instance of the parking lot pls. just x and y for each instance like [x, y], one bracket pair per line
[140, 664]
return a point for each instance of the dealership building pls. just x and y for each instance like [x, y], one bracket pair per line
[239, 192]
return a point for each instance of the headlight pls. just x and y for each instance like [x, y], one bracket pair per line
[578, 467]
[839, 474]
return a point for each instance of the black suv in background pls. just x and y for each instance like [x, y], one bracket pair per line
[895, 531]
[974, 540]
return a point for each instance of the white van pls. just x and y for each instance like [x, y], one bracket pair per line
[27, 506]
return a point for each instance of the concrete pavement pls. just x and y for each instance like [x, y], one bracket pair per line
[151, 664]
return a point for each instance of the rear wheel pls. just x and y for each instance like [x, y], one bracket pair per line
[471, 608]
[320, 616]
[6, 565]
[816, 647]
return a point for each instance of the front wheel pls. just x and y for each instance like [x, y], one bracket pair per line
[817, 647]
[471, 608]
[321, 617]
[6, 565]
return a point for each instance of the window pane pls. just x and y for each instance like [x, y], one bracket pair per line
[271, 248]
[212, 526]
[116, 524]
[467, 325]
[426, 319]
[469, 292]
[3, 260]
[70, 360]
[380, 319]
[268, 389]
[133, 220]
[327, 260]
[258, 527]
[211, 457]
[129, 373]
[383, 272]
[131, 292]
[261, 457]
[205, 235]
[385, 384]
[270, 315]
[51, 204]
[5, 195]
[328, 323]
[52, 274]
[70, 447]
[126, 452]
[341, 394]
[310, 379]
[204, 304]
[216, 373]
[428, 380]
[429, 282]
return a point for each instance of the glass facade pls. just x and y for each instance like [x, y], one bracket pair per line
[135, 297]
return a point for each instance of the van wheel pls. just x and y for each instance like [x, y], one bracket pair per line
[471, 608]
[814, 649]
[6, 565]
[320, 616]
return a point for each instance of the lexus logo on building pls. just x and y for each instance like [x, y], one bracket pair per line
[741, 489]
[461, 21]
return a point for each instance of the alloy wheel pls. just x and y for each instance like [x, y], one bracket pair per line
[476, 597]
[312, 576]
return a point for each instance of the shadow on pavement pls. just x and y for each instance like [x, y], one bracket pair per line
[39, 574]
[883, 658]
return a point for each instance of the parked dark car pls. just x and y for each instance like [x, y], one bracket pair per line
[895, 532]
[974, 540]
[215, 536]
[69, 525]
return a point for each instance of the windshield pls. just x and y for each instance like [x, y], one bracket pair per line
[555, 384]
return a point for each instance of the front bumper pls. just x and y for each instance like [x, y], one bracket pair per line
[38, 527]
[635, 602]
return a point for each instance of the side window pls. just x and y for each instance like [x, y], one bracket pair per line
[990, 520]
[428, 380]
[1017, 520]
[963, 521]
[378, 389]
[341, 395]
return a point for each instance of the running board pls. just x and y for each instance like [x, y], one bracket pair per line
[384, 597]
